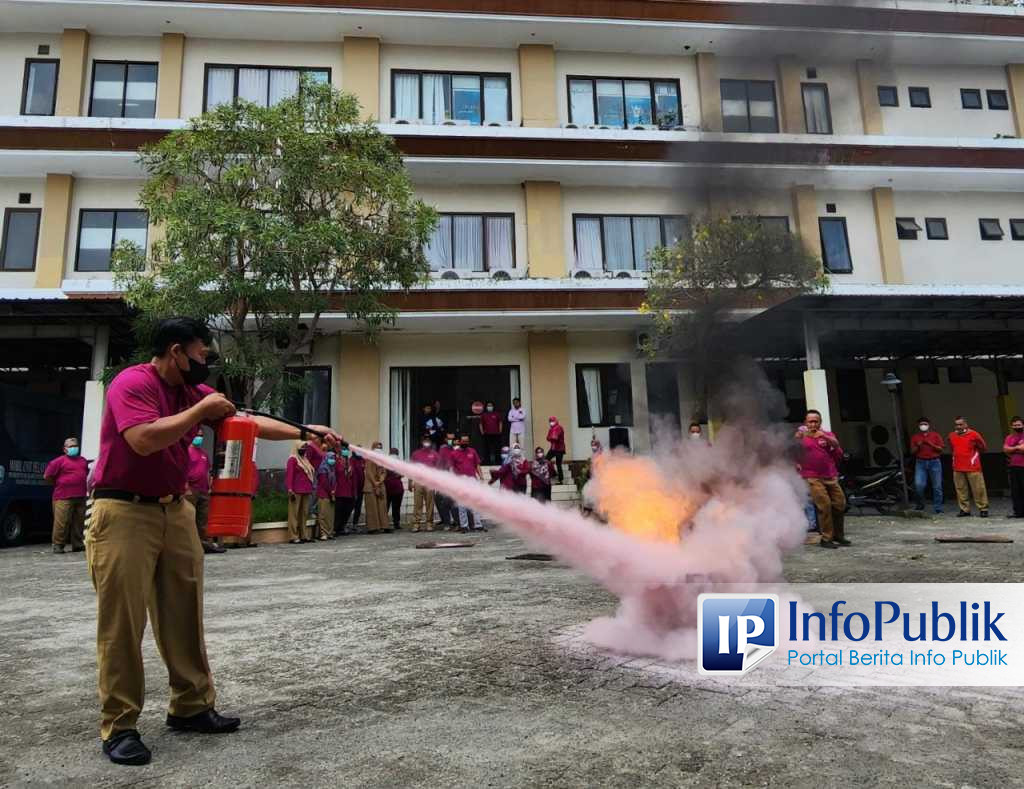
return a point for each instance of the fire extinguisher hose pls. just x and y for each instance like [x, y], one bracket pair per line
[305, 428]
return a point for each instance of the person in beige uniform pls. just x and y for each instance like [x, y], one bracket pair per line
[374, 497]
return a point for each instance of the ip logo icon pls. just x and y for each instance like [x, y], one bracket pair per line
[735, 632]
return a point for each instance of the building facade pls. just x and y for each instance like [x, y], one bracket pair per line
[560, 143]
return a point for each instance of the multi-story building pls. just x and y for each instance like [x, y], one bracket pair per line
[560, 142]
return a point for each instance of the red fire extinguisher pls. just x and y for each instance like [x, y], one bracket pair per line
[234, 478]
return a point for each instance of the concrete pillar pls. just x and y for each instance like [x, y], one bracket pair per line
[1015, 78]
[549, 384]
[815, 379]
[640, 435]
[545, 240]
[537, 83]
[53, 235]
[168, 85]
[888, 241]
[92, 407]
[359, 391]
[791, 102]
[867, 89]
[910, 398]
[74, 56]
[805, 217]
[710, 92]
[1006, 404]
[360, 74]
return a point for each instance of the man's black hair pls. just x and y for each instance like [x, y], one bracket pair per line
[178, 331]
[812, 411]
[694, 424]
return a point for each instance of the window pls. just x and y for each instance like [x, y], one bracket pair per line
[473, 242]
[970, 98]
[998, 100]
[959, 374]
[99, 232]
[39, 92]
[604, 395]
[21, 236]
[835, 245]
[622, 103]
[1017, 229]
[436, 97]
[259, 84]
[937, 230]
[991, 230]
[624, 243]
[309, 398]
[928, 375]
[888, 96]
[749, 106]
[123, 90]
[907, 229]
[920, 97]
[817, 114]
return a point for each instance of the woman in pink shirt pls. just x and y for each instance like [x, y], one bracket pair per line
[556, 442]
[347, 483]
[67, 474]
[298, 480]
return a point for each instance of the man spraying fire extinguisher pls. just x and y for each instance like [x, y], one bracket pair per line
[142, 546]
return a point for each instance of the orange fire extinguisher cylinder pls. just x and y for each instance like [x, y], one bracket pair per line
[234, 478]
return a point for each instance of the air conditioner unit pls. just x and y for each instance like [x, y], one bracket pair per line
[646, 127]
[502, 274]
[880, 448]
[507, 124]
[623, 275]
[582, 274]
[456, 122]
[570, 125]
[599, 126]
[450, 275]
[406, 121]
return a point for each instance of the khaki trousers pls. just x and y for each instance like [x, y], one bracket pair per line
[69, 522]
[298, 514]
[975, 481]
[201, 501]
[422, 507]
[830, 502]
[376, 511]
[325, 518]
[147, 557]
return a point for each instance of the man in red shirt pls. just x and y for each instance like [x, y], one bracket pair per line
[1013, 447]
[67, 474]
[819, 453]
[465, 462]
[423, 497]
[491, 428]
[967, 446]
[142, 547]
[926, 446]
[445, 506]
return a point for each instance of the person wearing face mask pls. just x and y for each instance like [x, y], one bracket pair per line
[198, 492]
[696, 434]
[466, 463]
[1013, 448]
[516, 423]
[346, 484]
[513, 472]
[445, 506]
[926, 445]
[491, 428]
[299, 478]
[326, 485]
[542, 471]
[374, 495]
[968, 479]
[67, 474]
[423, 497]
[141, 546]
[556, 446]
[394, 490]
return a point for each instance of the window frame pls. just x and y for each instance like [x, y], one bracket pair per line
[828, 105]
[484, 216]
[895, 95]
[927, 93]
[651, 81]
[846, 234]
[632, 245]
[238, 66]
[480, 75]
[6, 235]
[1015, 234]
[989, 93]
[124, 88]
[928, 231]
[304, 370]
[905, 234]
[975, 92]
[747, 83]
[981, 228]
[581, 394]
[29, 62]
[113, 232]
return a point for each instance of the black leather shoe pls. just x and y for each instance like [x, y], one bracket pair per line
[126, 747]
[828, 544]
[209, 722]
[842, 541]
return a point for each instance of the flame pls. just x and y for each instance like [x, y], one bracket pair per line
[638, 499]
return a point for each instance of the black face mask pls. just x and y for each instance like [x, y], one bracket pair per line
[196, 373]
[1018, 430]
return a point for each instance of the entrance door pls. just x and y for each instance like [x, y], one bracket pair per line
[663, 403]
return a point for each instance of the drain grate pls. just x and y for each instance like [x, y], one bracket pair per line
[533, 557]
[432, 545]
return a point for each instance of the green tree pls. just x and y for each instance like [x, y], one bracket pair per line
[696, 288]
[271, 216]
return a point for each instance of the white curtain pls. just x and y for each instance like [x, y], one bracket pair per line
[588, 243]
[132, 226]
[284, 83]
[618, 243]
[469, 243]
[513, 380]
[220, 86]
[407, 96]
[816, 110]
[581, 102]
[439, 248]
[252, 85]
[676, 229]
[496, 104]
[592, 388]
[434, 98]
[401, 395]
[499, 242]
[646, 236]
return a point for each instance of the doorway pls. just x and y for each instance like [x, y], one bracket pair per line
[663, 403]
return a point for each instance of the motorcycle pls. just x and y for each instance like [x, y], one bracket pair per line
[881, 490]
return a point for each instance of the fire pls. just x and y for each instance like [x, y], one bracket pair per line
[636, 498]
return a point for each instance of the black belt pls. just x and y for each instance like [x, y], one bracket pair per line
[127, 495]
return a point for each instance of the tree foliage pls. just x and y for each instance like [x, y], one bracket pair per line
[271, 216]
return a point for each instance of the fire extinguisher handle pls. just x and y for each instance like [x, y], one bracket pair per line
[304, 429]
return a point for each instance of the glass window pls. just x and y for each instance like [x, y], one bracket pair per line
[817, 115]
[258, 84]
[123, 90]
[779, 224]
[639, 111]
[907, 229]
[309, 400]
[666, 100]
[140, 91]
[472, 242]
[581, 102]
[835, 245]
[647, 236]
[468, 243]
[970, 98]
[1017, 229]
[439, 248]
[920, 97]
[101, 231]
[589, 254]
[936, 228]
[39, 93]
[500, 234]
[496, 100]
[998, 100]
[20, 239]
[624, 103]
[466, 99]
[991, 230]
[624, 243]
[748, 106]
[676, 228]
[618, 243]
[436, 97]
[604, 395]
[888, 96]
[610, 103]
